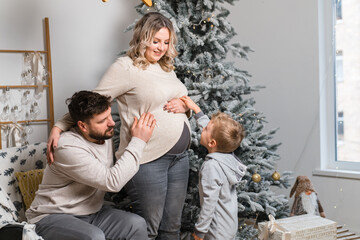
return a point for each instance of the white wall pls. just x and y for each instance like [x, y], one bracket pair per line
[284, 35]
[86, 35]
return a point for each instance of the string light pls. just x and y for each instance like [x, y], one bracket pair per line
[204, 21]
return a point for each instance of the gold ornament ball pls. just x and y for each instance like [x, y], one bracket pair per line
[104, 0]
[276, 176]
[256, 177]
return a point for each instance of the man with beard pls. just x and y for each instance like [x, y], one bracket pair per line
[69, 202]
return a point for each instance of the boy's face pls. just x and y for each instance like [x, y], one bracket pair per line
[206, 137]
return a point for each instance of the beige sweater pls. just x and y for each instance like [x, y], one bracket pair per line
[83, 171]
[137, 91]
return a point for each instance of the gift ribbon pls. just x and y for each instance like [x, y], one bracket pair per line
[270, 227]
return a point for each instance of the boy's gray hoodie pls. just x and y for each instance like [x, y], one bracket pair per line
[219, 174]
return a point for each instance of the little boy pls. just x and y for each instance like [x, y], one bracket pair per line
[218, 176]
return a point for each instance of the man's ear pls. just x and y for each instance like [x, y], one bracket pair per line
[82, 126]
[212, 143]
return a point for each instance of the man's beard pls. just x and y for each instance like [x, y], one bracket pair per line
[102, 136]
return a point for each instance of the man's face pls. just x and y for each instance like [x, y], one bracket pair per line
[101, 126]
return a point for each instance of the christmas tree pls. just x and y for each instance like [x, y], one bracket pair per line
[215, 84]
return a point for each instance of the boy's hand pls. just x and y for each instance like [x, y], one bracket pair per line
[190, 104]
[196, 237]
[176, 106]
[144, 127]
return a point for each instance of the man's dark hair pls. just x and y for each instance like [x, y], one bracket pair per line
[84, 104]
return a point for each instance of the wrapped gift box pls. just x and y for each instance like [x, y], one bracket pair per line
[301, 227]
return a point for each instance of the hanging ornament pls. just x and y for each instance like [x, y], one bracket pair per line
[276, 176]
[147, 2]
[256, 177]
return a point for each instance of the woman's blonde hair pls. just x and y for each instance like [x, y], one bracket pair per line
[227, 132]
[144, 31]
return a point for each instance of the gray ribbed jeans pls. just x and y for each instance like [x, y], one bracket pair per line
[109, 223]
[158, 193]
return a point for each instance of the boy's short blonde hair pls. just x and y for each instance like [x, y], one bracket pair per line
[227, 132]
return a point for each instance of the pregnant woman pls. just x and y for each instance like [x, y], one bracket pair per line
[144, 81]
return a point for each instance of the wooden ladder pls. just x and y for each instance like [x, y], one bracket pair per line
[50, 107]
[345, 234]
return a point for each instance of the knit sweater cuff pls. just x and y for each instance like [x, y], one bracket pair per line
[65, 123]
[199, 115]
[137, 143]
[61, 125]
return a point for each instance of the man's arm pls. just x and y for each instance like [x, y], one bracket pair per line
[90, 166]
[79, 164]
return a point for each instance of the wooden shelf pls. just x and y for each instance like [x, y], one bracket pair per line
[22, 86]
[21, 51]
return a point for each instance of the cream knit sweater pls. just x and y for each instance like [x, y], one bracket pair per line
[137, 91]
[83, 171]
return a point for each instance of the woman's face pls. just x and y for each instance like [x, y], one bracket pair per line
[158, 46]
